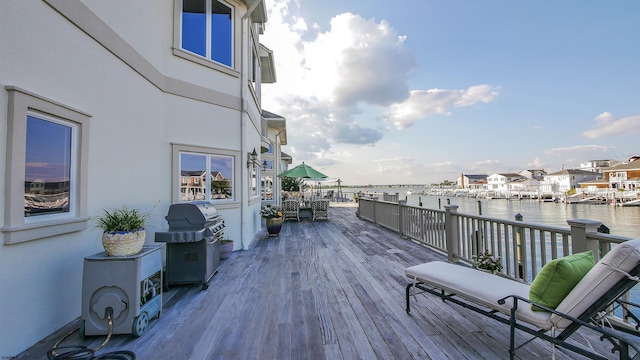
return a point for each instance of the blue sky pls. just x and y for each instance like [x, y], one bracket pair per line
[410, 92]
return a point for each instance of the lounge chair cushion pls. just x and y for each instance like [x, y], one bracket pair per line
[594, 285]
[478, 287]
[558, 277]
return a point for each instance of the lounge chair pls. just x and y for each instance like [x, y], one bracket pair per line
[508, 301]
[320, 209]
[291, 209]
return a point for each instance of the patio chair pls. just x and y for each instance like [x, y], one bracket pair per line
[291, 209]
[587, 305]
[320, 209]
[329, 195]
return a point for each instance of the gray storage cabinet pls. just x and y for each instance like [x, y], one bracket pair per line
[128, 287]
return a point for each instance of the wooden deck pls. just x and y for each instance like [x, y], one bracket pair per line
[321, 290]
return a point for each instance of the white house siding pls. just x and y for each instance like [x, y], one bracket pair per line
[139, 106]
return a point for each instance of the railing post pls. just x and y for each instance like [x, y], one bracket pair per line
[521, 269]
[401, 204]
[375, 217]
[451, 232]
[422, 235]
[579, 241]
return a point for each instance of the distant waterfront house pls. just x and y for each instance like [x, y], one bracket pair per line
[130, 99]
[500, 181]
[525, 184]
[567, 179]
[597, 165]
[625, 175]
[537, 174]
[595, 184]
[476, 182]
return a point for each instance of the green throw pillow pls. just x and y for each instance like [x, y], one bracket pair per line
[557, 278]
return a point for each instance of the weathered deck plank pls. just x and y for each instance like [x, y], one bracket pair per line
[321, 290]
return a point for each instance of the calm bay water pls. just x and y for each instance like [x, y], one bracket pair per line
[621, 221]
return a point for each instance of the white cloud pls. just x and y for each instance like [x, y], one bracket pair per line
[607, 125]
[577, 149]
[537, 163]
[335, 82]
[424, 103]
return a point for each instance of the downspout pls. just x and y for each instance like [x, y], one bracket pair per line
[279, 162]
[243, 124]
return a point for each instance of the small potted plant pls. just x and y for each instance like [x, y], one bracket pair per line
[123, 231]
[273, 218]
[226, 248]
[486, 261]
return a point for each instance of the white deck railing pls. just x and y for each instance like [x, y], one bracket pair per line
[524, 247]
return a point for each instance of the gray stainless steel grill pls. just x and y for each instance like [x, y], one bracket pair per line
[193, 242]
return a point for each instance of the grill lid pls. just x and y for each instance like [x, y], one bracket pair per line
[192, 215]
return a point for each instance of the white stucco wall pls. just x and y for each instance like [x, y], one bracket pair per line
[132, 127]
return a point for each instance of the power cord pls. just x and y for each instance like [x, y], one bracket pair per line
[79, 352]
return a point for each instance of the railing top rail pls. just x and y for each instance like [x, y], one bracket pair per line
[607, 237]
[556, 229]
[549, 228]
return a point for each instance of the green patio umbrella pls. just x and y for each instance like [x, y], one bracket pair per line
[303, 171]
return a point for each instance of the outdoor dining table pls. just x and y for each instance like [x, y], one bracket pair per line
[305, 212]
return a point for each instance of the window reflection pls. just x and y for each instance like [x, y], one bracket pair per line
[267, 188]
[47, 167]
[198, 170]
[221, 177]
[196, 18]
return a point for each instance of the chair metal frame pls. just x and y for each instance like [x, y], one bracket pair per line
[616, 335]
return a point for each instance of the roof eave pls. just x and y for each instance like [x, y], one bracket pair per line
[259, 13]
[267, 65]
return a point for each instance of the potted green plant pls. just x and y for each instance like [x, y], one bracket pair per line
[226, 248]
[123, 231]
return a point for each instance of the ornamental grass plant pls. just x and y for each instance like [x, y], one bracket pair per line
[121, 219]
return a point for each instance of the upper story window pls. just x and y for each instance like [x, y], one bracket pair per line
[207, 29]
[47, 167]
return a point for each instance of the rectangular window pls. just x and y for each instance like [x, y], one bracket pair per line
[267, 188]
[254, 175]
[210, 177]
[207, 29]
[46, 167]
[49, 167]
